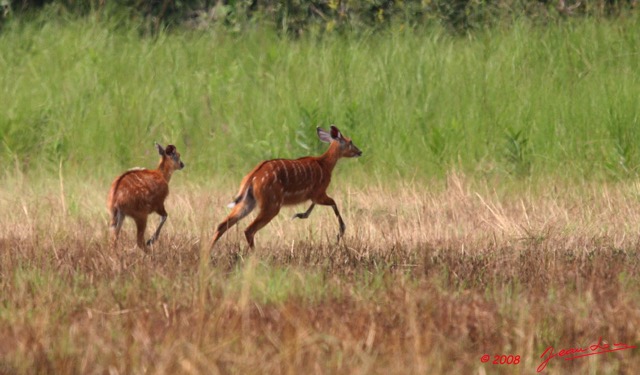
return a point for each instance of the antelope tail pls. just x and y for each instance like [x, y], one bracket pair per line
[243, 204]
[235, 201]
[246, 187]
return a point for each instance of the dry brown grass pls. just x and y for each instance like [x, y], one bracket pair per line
[428, 279]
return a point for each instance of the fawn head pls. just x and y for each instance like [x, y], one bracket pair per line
[345, 146]
[171, 155]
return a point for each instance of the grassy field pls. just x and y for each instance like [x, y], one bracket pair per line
[495, 211]
[428, 279]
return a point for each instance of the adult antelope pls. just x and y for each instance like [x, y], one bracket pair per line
[139, 192]
[278, 182]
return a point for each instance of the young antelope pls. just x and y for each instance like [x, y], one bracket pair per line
[139, 192]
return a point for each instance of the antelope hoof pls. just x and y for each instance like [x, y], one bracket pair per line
[150, 241]
[300, 215]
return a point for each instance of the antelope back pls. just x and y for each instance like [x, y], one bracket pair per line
[139, 190]
[291, 181]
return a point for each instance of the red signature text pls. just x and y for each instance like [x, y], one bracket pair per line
[574, 353]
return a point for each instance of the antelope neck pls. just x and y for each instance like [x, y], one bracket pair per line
[165, 169]
[330, 157]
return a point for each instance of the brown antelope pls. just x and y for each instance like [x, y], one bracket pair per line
[278, 182]
[139, 192]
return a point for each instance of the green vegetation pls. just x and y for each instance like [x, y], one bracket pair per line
[525, 101]
[467, 233]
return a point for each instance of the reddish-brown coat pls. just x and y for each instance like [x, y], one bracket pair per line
[278, 182]
[140, 192]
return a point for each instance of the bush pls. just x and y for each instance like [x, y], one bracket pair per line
[295, 17]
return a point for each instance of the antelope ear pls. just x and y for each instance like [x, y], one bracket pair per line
[335, 133]
[160, 149]
[324, 135]
[170, 150]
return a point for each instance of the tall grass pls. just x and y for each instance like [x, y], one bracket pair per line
[521, 101]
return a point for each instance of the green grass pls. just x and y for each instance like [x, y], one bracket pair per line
[521, 101]
[429, 276]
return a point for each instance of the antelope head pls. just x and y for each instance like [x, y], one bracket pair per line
[346, 147]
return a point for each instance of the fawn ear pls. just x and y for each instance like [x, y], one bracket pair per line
[324, 135]
[335, 133]
[170, 150]
[160, 149]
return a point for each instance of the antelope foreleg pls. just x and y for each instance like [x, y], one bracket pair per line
[342, 225]
[328, 201]
[304, 215]
[157, 232]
